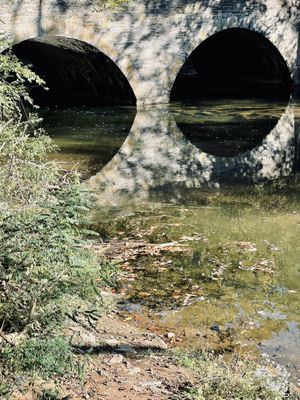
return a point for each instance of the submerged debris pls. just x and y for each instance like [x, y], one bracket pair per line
[246, 246]
[124, 251]
[266, 266]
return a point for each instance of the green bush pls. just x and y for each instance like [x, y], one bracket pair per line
[44, 251]
[15, 78]
[24, 171]
[43, 256]
[48, 268]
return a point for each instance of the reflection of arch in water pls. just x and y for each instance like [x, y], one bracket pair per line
[76, 73]
[234, 62]
[89, 138]
[156, 157]
[228, 128]
[273, 158]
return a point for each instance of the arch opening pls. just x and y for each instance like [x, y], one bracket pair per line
[76, 73]
[234, 63]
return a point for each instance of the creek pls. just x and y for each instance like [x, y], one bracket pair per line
[205, 201]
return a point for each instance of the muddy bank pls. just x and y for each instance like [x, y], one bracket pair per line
[119, 361]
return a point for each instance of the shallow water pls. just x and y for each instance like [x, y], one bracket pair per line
[87, 138]
[238, 287]
[227, 129]
[221, 179]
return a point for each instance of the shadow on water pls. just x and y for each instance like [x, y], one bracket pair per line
[88, 138]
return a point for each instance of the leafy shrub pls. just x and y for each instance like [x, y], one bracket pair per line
[14, 80]
[42, 256]
[47, 264]
[24, 171]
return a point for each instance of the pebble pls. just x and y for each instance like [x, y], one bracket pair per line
[170, 335]
[116, 359]
[135, 371]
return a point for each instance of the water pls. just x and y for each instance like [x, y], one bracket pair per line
[227, 129]
[219, 181]
[88, 138]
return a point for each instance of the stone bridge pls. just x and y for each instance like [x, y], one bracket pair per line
[150, 40]
[166, 49]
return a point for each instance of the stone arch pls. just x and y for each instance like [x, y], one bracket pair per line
[264, 55]
[150, 42]
[76, 72]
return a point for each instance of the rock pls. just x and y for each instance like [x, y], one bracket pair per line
[190, 332]
[154, 342]
[170, 335]
[116, 359]
[113, 342]
[135, 371]
[152, 384]
[81, 337]
[108, 300]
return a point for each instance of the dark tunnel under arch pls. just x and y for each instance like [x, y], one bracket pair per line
[76, 73]
[233, 63]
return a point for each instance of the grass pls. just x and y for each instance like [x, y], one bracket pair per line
[44, 357]
[237, 379]
[35, 361]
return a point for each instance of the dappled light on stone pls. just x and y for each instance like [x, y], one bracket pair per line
[151, 40]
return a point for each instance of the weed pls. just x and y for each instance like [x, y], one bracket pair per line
[45, 357]
[239, 379]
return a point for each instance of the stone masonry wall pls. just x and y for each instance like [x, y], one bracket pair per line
[150, 40]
